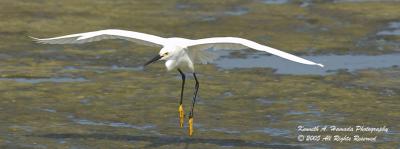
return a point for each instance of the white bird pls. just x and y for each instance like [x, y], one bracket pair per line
[179, 53]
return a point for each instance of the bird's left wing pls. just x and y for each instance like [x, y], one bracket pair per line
[240, 43]
[137, 37]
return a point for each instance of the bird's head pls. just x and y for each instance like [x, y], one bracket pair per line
[165, 54]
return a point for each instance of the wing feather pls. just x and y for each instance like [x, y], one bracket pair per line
[79, 38]
[237, 43]
[199, 55]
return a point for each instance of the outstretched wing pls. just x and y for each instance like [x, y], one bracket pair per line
[137, 37]
[240, 43]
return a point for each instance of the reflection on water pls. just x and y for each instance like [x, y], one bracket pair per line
[237, 11]
[275, 1]
[383, 39]
[225, 130]
[116, 67]
[48, 110]
[182, 6]
[332, 63]
[274, 132]
[85, 101]
[392, 29]
[208, 18]
[111, 124]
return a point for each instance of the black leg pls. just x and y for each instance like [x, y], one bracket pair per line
[183, 84]
[181, 112]
[196, 89]
[194, 101]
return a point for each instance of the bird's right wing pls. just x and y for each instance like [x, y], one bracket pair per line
[235, 43]
[137, 37]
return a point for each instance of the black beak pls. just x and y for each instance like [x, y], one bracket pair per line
[153, 60]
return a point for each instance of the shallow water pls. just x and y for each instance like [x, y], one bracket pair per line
[275, 1]
[111, 124]
[332, 63]
[392, 29]
[41, 80]
[237, 11]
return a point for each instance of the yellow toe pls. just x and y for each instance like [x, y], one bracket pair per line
[181, 115]
[190, 126]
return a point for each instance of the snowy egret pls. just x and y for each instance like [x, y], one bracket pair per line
[179, 53]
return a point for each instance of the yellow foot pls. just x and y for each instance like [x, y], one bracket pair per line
[190, 126]
[181, 115]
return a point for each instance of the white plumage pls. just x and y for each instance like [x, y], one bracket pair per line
[181, 52]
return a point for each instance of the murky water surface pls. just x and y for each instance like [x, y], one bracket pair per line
[333, 63]
[98, 95]
[40, 80]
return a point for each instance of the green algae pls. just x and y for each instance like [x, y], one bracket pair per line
[323, 27]
[146, 98]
